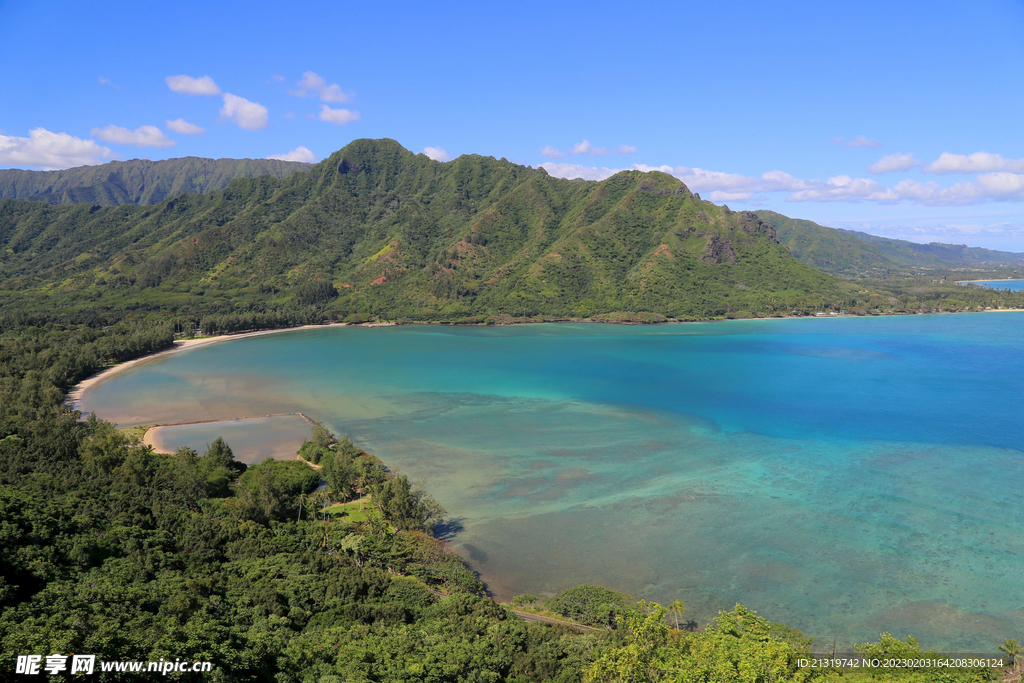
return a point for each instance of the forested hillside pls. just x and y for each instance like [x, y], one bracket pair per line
[138, 181]
[397, 232]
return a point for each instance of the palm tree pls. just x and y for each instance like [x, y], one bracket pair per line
[676, 610]
[302, 499]
[1012, 648]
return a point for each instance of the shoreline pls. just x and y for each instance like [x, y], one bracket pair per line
[148, 440]
[74, 397]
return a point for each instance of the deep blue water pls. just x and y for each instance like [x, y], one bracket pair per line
[845, 476]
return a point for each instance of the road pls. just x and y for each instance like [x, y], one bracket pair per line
[528, 616]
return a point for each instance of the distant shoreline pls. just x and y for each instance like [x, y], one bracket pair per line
[994, 279]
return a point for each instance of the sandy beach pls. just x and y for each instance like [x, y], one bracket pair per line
[74, 397]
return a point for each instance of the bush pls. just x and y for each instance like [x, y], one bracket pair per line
[524, 600]
[590, 604]
[316, 293]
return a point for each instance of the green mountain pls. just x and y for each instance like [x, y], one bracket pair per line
[138, 181]
[848, 252]
[400, 235]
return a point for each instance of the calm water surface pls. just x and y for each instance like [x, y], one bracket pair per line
[1012, 285]
[252, 440]
[844, 476]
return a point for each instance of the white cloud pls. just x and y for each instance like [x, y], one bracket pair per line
[894, 162]
[103, 80]
[552, 153]
[627, 149]
[337, 116]
[314, 83]
[436, 153]
[185, 128]
[47, 150]
[186, 85]
[862, 141]
[838, 141]
[143, 136]
[1002, 186]
[248, 115]
[586, 148]
[844, 188]
[719, 186]
[297, 154]
[979, 162]
[578, 171]
[277, 78]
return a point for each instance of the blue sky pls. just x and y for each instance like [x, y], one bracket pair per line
[901, 119]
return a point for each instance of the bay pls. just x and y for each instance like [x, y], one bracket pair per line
[844, 476]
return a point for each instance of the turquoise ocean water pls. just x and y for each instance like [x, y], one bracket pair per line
[844, 476]
[1012, 285]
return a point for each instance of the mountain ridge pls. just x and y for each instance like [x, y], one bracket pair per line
[393, 231]
[850, 252]
[137, 181]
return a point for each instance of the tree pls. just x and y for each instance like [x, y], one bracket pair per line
[645, 658]
[218, 467]
[592, 605]
[342, 475]
[1011, 647]
[408, 509]
[106, 448]
[271, 490]
[675, 610]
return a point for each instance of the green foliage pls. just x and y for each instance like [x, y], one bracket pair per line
[590, 604]
[890, 647]
[316, 293]
[645, 657]
[739, 647]
[408, 237]
[525, 600]
[1012, 648]
[270, 491]
[405, 507]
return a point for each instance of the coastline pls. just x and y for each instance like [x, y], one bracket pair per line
[78, 392]
[74, 397]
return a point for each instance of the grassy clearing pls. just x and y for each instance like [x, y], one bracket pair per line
[134, 432]
[354, 511]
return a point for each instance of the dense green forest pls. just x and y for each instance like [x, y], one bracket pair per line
[139, 181]
[266, 571]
